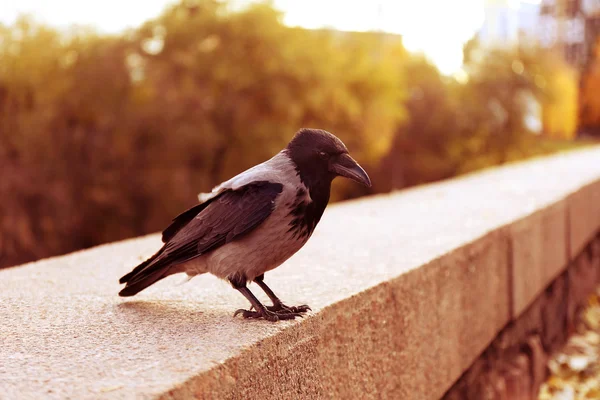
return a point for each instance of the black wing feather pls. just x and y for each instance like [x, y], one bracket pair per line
[230, 216]
[182, 220]
[223, 219]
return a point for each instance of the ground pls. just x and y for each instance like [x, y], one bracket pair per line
[575, 370]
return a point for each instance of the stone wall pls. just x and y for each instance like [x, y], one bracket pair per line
[452, 289]
[514, 365]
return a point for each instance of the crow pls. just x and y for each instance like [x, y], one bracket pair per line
[254, 222]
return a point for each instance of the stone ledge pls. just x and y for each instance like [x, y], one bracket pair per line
[408, 289]
[514, 365]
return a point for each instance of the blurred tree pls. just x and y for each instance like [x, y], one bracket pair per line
[248, 82]
[590, 101]
[527, 90]
[561, 110]
[103, 138]
[107, 137]
[501, 80]
[485, 119]
[422, 147]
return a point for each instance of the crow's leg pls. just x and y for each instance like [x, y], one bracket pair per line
[278, 307]
[261, 311]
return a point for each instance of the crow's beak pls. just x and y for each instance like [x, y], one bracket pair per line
[344, 165]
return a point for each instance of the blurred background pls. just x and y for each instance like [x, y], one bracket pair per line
[114, 115]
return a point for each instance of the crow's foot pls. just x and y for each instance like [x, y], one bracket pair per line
[283, 309]
[268, 315]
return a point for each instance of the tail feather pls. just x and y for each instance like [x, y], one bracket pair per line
[147, 273]
[136, 286]
[125, 278]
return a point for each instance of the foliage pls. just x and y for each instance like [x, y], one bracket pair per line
[574, 370]
[107, 137]
[561, 112]
[456, 127]
[590, 101]
[103, 138]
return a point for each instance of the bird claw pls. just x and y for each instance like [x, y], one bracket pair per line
[283, 309]
[267, 314]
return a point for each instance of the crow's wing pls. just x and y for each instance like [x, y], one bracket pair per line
[270, 170]
[182, 220]
[226, 217]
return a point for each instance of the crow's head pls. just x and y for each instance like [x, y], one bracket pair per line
[320, 157]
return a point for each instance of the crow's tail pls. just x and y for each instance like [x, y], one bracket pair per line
[147, 273]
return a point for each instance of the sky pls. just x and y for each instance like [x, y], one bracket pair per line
[438, 28]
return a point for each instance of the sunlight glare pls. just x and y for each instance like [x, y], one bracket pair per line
[437, 28]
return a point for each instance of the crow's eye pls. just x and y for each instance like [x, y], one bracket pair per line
[322, 154]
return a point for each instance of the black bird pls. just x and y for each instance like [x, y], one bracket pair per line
[253, 222]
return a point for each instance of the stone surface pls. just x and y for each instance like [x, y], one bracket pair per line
[408, 289]
[555, 249]
[556, 314]
[518, 383]
[518, 356]
[574, 370]
[538, 359]
[584, 216]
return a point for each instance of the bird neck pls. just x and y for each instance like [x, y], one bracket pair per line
[317, 180]
[305, 213]
[319, 191]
